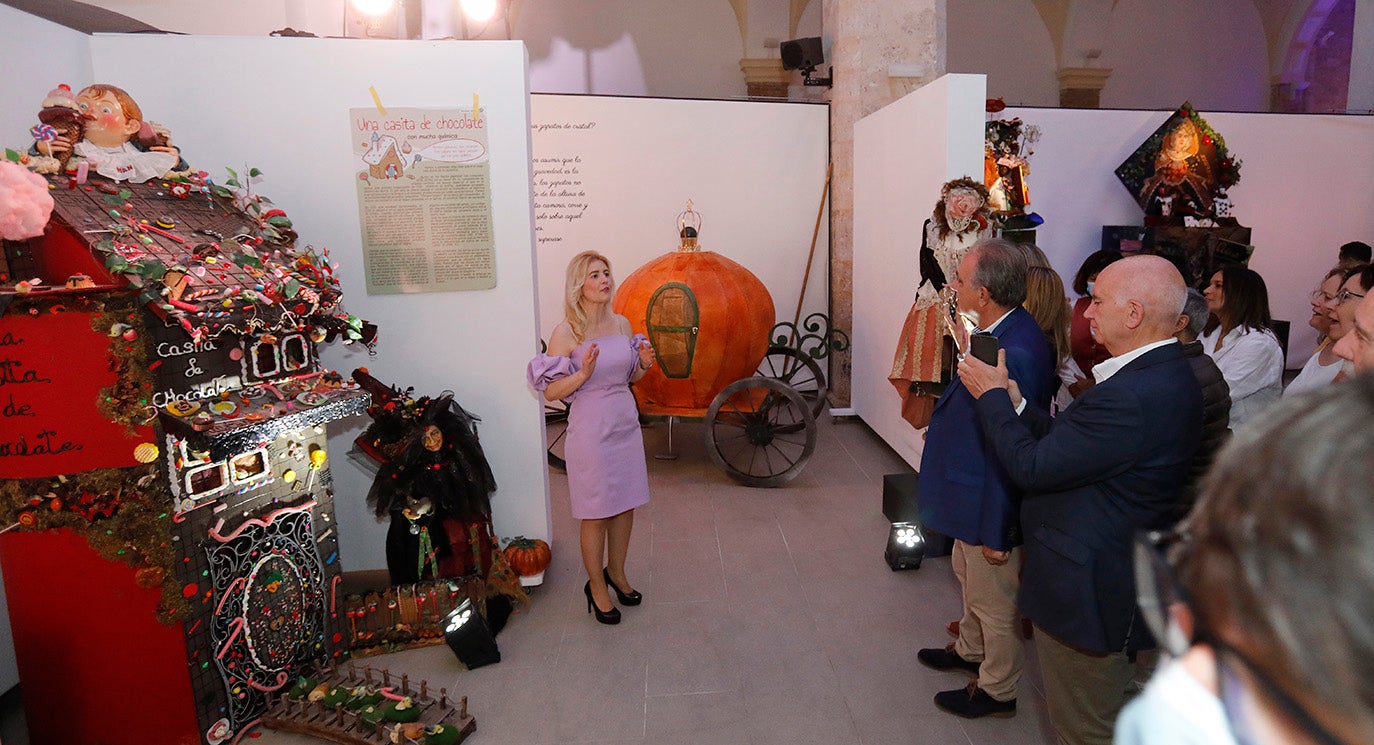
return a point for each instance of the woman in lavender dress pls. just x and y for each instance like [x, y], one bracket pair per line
[592, 358]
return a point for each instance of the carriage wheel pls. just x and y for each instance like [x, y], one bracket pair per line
[556, 432]
[760, 431]
[799, 371]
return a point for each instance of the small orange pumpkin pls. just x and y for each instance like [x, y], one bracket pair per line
[527, 556]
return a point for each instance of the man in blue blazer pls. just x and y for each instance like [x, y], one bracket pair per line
[1109, 465]
[965, 493]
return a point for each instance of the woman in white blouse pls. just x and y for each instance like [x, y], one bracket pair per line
[1239, 338]
[1323, 366]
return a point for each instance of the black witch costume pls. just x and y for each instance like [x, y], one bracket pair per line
[435, 485]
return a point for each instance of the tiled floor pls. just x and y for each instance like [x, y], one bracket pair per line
[769, 617]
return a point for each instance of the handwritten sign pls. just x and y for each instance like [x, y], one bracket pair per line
[52, 370]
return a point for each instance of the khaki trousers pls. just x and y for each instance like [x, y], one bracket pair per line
[990, 630]
[1084, 692]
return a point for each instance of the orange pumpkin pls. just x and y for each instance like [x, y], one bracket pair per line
[527, 556]
[708, 318]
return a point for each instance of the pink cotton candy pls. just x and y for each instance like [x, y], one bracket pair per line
[25, 203]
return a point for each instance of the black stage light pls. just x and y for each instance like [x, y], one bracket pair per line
[906, 546]
[468, 636]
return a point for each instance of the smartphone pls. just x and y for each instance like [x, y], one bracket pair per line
[984, 347]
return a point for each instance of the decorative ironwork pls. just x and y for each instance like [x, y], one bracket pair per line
[269, 618]
[815, 338]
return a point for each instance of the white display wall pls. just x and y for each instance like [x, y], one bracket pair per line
[755, 171]
[1304, 190]
[903, 153]
[281, 105]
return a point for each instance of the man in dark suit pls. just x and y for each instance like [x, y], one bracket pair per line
[965, 493]
[1110, 464]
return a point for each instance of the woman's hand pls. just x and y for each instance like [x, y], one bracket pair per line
[646, 356]
[589, 359]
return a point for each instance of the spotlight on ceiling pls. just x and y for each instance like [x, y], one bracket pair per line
[805, 55]
[371, 7]
[478, 11]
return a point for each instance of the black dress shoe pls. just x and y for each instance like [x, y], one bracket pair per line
[632, 598]
[946, 659]
[973, 702]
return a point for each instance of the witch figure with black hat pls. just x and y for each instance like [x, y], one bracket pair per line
[435, 485]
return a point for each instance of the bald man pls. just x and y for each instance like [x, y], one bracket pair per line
[1111, 464]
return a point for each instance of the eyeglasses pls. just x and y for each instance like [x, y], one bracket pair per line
[1345, 295]
[1160, 597]
[1322, 298]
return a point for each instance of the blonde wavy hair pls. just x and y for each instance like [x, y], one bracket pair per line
[578, 269]
[1046, 302]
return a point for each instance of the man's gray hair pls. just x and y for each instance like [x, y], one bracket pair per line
[1195, 307]
[1000, 267]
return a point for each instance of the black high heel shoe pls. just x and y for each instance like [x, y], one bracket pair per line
[633, 598]
[610, 617]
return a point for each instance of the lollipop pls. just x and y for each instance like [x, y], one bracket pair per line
[317, 458]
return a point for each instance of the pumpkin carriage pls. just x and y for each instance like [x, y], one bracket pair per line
[710, 322]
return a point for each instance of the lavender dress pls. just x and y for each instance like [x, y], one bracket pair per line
[605, 450]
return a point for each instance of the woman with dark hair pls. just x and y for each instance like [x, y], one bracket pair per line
[1263, 598]
[1240, 339]
[1086, 352]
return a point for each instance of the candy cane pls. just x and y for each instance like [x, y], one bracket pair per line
[264, 522]
[227, 591]
[282, 677]
[237, 626]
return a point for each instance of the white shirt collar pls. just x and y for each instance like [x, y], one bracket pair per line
[1003, 317]
[1113, 365]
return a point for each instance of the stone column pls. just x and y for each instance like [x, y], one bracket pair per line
[879, 49]
[765, 77]
[1081, 87]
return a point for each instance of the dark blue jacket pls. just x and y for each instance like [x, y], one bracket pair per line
[1110, 464]
[964, 492]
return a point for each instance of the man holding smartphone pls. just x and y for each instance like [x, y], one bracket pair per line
[1110, 465]
[965, 493]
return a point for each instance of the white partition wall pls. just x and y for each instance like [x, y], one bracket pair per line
[281, 105]
[903, 153]
[754, 170]
[1305, 185]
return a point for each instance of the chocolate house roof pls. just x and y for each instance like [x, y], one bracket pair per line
[243, 272]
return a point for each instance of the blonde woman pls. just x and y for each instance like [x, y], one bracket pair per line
[592, 358]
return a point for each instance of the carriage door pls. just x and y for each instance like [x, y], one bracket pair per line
[672, 325]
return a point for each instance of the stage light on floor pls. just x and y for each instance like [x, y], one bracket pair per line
[468, 636]
[906, 546]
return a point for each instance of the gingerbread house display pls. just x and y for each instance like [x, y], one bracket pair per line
[163, 455]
